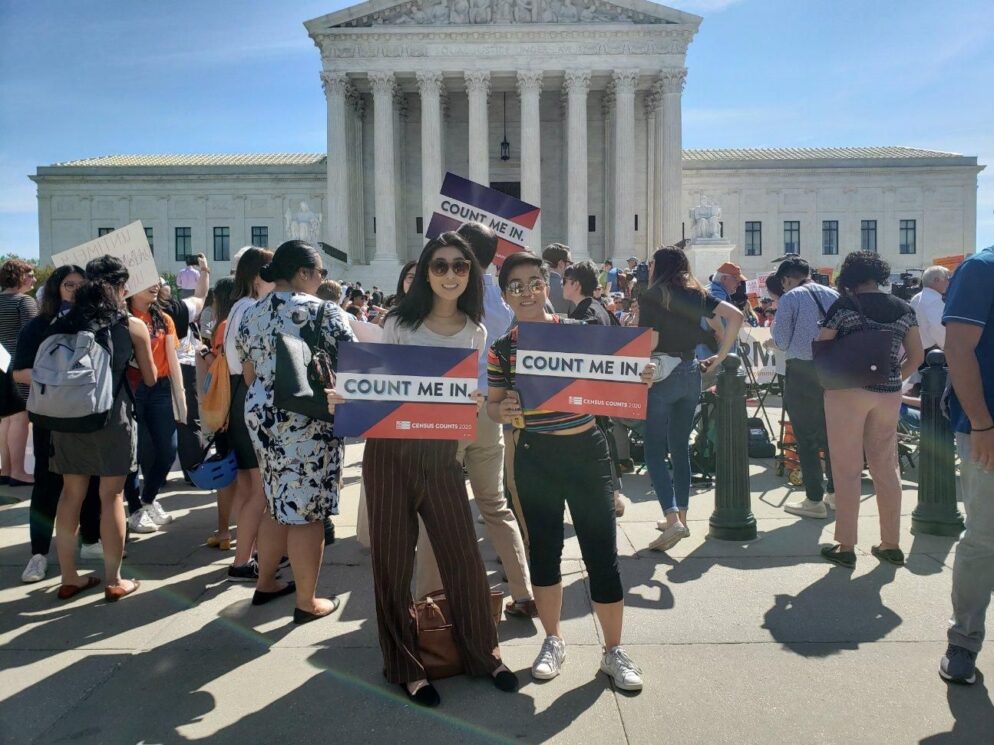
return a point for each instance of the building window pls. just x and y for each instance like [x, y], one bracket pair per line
[868, 235]
[148, 237]
[792, 236]
[721, 230]
[591, 223]
[907, 237]
[183, 248]
[222, 244]
[636, 223]
[260, 236]
[104, 231]
[419, 225]
[754, 238]
[830, 237]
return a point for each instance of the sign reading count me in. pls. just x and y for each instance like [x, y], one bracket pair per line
[129, 244]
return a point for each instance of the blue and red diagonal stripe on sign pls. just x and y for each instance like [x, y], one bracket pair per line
[582, 368]
[406, 419]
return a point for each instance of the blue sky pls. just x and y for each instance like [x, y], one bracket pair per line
[96, 77]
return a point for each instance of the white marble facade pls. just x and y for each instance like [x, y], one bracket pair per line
[591, 92]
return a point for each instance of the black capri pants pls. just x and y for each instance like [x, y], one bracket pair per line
[551, 471]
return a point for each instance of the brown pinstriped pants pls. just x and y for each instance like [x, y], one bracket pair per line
[404, 479]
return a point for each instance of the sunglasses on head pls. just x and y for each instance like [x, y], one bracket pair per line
[517, 288]
[441, 267]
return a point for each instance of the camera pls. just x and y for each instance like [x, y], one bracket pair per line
[906, 285]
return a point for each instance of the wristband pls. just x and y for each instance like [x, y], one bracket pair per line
[985, 429]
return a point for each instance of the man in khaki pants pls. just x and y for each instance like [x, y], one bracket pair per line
[484, 457]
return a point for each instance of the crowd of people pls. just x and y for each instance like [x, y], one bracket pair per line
[167, 357]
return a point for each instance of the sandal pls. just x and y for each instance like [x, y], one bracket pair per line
[893, 556]
[224, 544]
[836, 555]
[66, 592]
[521, 608]
[115, 592]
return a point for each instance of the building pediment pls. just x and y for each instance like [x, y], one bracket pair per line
[497, 12]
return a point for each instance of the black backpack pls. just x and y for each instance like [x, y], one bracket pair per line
[760, 445]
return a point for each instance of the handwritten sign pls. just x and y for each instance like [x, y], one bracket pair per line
[583, 369]
[401, 391]
[128, 244]
[462, 200]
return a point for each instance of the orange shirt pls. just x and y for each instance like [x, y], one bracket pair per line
[159, 341]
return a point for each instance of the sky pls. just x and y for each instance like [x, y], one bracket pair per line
[82, 78]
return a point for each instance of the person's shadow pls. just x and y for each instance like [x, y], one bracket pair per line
[834, 613]
[973, 711]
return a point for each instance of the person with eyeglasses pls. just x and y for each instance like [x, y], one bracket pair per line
[407, 479]
[560, 458]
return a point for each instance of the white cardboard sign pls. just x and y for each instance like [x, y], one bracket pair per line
[129, 244]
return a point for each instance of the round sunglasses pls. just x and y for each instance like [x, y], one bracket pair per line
[517, 288]
[441, 267]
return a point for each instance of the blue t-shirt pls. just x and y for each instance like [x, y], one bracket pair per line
[970, 300]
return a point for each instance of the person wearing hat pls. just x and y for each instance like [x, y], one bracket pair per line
[724, 282]
[800, 311]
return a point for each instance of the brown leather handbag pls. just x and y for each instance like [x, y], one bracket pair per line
[436, 645]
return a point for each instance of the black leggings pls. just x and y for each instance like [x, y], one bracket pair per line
[45, 499]
[551, 471]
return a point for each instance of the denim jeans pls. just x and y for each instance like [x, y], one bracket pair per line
[156, 442]
[672, 403]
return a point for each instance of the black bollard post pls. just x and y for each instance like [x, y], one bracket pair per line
[732, 519]
[936, 513]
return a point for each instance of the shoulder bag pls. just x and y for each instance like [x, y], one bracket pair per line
[303, 371]
[856, 360]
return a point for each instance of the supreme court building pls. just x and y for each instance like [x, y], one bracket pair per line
[573, 105]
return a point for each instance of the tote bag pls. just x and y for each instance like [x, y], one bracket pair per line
[216, 402]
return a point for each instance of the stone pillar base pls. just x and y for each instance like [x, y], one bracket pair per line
[706, 256]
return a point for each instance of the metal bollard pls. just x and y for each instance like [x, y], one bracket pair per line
[936, 513]
[732, 519]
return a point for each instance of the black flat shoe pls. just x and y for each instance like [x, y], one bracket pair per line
[893, 556]
[261, 598]
[506, 681]
[303, 616]
[18, 482]
[836, 555]
[426, 696]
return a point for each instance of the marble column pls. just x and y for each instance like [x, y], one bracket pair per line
[336, 221]
[430, 88]
[530, 89]
[669, 156]
[385, 204]
[577, 83]
[357, 212]
[478, 89]
[623, 229]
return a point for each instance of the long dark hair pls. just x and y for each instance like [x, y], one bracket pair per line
[671, 270]
[158, 325]
[400, 280]
[51, 292]
[224, 298]
[249, 265]
[417, 304]
[290, 257]
[97, 302]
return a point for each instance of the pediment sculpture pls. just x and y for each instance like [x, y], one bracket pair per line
[479, 12]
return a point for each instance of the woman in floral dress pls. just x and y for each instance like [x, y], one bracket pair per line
[300, 458]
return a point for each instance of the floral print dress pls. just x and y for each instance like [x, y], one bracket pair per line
[300, 458]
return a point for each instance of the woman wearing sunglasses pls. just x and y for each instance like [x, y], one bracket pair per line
[405, 479]
[560, 458]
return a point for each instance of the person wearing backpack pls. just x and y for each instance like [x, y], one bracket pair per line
[103, 442]
[156, 414]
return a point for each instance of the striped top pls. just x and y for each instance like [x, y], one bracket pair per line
[502, 357]
[16, 309]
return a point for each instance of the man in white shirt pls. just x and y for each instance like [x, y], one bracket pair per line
[189, 277]
[484, 456]
[929, 306]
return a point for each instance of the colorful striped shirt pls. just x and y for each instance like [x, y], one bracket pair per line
[501, 361]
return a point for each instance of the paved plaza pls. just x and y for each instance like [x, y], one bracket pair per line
[740, 643]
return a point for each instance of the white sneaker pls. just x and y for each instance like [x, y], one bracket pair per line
[36, 569]
[661, 526]
[550, 660]
[830, 499]
[807, 508]
[92, 551]
[141, 522]
[671, 536]
[619, 666]
[159, 516]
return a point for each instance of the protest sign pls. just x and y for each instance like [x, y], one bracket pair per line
[128, 244]
[757, 286]
[757, 350]
[406, 391]
[462, 200]
[583, 369]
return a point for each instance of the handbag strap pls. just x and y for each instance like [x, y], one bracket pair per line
[814, 296]
[312, 332]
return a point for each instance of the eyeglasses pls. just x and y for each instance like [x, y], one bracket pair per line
[69, 285]
[322, 271]
[517, 288]
[441, 267]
